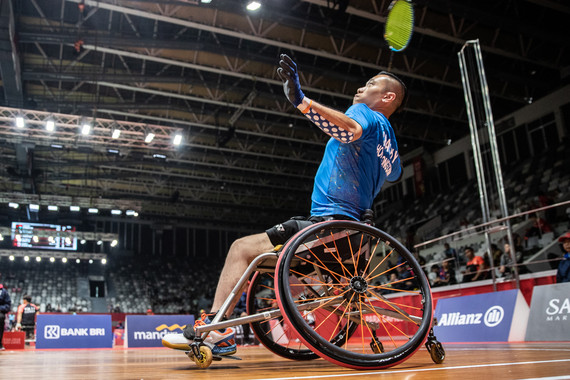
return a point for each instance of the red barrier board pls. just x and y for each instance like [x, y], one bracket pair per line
[14, 340]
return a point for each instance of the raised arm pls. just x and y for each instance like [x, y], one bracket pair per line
[334, 123]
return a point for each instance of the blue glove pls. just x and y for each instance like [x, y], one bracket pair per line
[288, 74]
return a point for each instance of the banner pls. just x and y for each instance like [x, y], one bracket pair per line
[490, 317]
[549, 313]
[14, 340]
[148, 330]
[74, 331]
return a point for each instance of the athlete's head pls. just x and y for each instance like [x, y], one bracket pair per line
[384, 92]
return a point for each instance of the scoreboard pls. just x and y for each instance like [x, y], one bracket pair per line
[43, 236]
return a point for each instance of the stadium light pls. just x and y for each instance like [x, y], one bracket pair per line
[20, 122]
[52, 259]
[53, 208]
[1, 237]
[26, 258]
[74, 208]
[90, 261]
[13, 205]
[86, 129]
[38, 258]
[177, 139]
[11, 258]
[149, 137]
[50, 125]
[93, 210]
[77, 261]
[34, 207]
[103, 261]
[116, 133]
[253, 5]
[64, 259]
[114, 243]
[116, 212]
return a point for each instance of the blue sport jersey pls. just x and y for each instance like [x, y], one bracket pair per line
[351, 175]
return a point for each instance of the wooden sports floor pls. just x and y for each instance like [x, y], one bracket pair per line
[463, 362]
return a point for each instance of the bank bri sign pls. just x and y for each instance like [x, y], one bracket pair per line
[490, 317]
[148, 330]
[74, 331]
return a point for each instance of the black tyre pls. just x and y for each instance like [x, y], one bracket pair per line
[343, 273]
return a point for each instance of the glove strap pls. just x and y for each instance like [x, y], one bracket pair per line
[305, 105]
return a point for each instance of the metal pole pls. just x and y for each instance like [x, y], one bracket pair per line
[495, 155]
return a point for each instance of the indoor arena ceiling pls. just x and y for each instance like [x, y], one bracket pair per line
[207, 71]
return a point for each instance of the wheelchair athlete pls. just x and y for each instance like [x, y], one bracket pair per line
[361, 154]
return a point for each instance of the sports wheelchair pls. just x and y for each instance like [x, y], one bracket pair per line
[331, 292]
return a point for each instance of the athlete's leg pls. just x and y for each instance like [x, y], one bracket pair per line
[241, 254]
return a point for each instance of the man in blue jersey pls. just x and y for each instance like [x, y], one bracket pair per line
[361, 154]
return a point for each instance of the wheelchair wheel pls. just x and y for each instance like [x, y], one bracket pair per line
[274, 334]
[348, 273]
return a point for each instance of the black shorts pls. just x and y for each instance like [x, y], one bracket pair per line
[280, 233]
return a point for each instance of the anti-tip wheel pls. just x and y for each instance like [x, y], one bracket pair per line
[437, 353]
[206, 359]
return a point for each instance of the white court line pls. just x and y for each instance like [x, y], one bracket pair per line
[418, 370]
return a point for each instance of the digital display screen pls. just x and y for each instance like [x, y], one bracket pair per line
[42, 236]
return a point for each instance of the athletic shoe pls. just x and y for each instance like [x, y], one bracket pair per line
[222, 342]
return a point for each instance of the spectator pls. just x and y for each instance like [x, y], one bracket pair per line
[26, 316]
[434, 275]
[149, 312]
[475, 268]
[563, 272]
[5, 304]
[538, 228]
[447, 274]
[405, 277]
[451, 253]
[496, 254]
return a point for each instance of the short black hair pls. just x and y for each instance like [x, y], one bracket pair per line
[27, 298]
[405, 99]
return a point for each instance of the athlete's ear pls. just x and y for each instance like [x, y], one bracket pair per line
[389, 96]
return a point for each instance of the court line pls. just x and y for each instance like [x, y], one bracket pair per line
[418, 370]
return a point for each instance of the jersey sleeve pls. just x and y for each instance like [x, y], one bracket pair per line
[361, 114]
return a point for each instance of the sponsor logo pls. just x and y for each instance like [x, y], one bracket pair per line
[558, 310]
[492, 317]
[57, 332]
[158, 334]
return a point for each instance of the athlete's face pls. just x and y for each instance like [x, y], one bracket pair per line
[373, 92]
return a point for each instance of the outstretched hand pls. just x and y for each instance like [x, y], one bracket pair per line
[288, 74]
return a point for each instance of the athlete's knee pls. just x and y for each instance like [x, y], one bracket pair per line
[239, 248]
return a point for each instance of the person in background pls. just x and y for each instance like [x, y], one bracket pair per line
[475, 268]
[26, 317]
[451, 253]
[5, 304]
[563, 272]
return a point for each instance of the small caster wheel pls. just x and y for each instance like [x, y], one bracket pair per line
[437, 352]
[376, 346]
[204, 359]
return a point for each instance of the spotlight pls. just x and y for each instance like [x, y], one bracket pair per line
[159, 156]
[116, 212]
[11, 258]
[38, 259]
[86, 129]
[103, 261]
[26, 258]
[13, 205]
[114, 243]
[50, 125]
[34, 207]
[20, 122]
[52, 259]
[64, 259]
[205, 1]
[90, 261]
[149, 137]
[77, 261]
[253, 5]
[57, 146]
[93, 210]
[1, 237]
[53, 208]
[99, 242]
[177, 139]
[83, 241]
[74, 208]
[113, 151]
[116, 133]
[130, 212]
